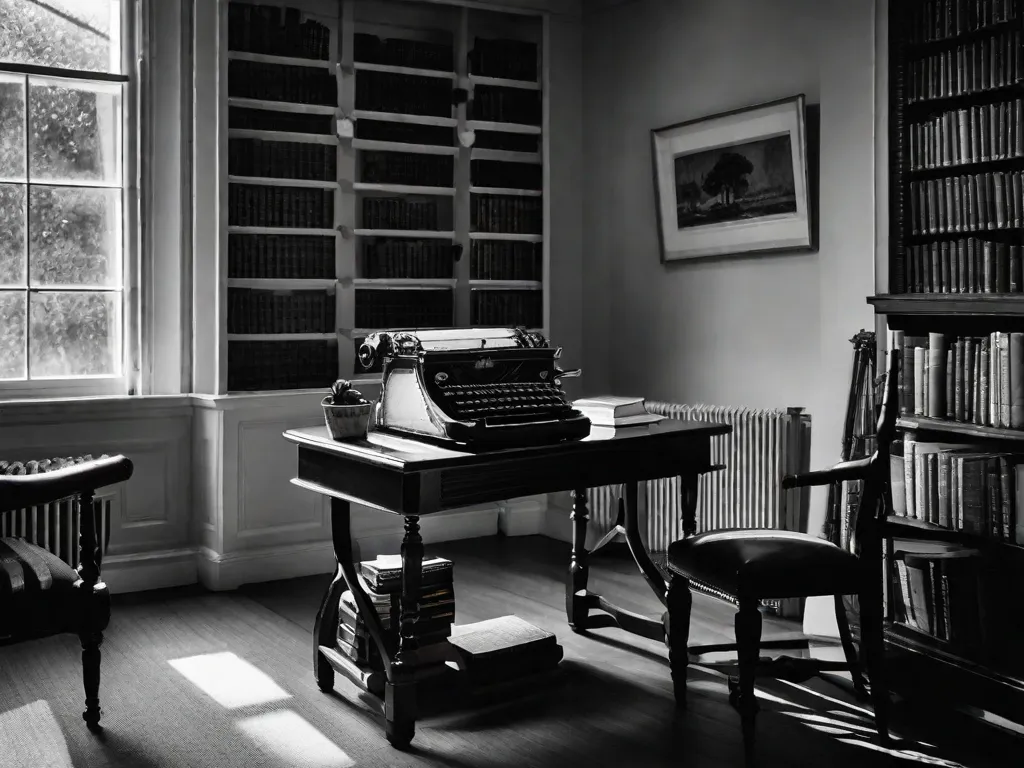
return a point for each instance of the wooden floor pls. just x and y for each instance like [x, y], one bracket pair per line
[166, 653]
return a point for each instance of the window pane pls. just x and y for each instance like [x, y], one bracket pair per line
[74, 236]
[12, 334]
[12, 234]
[12, 127]
[74, 334]
[74, 132]
[73, 34]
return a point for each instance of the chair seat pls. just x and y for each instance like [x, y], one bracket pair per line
[36, 591]
[765, 564]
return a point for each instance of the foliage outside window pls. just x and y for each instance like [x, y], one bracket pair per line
[62, 238]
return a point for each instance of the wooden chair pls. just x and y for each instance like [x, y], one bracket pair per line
[40, 594]
[757, 565]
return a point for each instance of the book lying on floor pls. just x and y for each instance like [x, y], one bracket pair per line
[500, 649]
[613, 411]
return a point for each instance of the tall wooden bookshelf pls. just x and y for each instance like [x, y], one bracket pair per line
[385, 170]
[955, 311]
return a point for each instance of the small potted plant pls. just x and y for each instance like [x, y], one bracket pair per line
[346, 411]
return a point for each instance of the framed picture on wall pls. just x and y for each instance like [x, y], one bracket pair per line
[733, 183]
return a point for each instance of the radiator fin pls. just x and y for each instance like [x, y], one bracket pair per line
[55, 526]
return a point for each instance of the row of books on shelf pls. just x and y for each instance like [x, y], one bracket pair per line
[262, 205]
[308, 257]
[270, 29]
[974, 67]
[400, 213]
[400, 52]
[973, 380]
[947, 599]
[405, 133]
[404, 94]
[934, 20]
[381, 580]
[282, 159]
[500, 173]
[399, 257]
[495, 103]
[976, 134]
[967, 265]
[290, 83]
[506, 260]
[248, 119]
[407, 168]
[380, 308]
[507, 308]
[259, 311]
[507, 142]
[959, 487]
[980, 201]
[507, 59]
[509, 214]
[274, 365]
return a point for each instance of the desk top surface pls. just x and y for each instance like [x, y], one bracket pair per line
[382, 448]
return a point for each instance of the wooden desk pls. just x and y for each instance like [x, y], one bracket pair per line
[412, 479]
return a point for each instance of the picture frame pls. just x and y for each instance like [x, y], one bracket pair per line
[734, 183]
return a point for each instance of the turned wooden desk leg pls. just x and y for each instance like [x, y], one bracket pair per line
[576, 607]
[325, 631]
[400, 691]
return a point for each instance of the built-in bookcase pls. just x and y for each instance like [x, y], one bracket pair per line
[955, 552]
[384, 170]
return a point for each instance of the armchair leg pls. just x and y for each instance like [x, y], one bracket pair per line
[849, 649]
[679, 602]
[748, 642]
[873, 637]
[91, 675]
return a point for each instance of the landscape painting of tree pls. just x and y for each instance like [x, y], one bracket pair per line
[741, 181]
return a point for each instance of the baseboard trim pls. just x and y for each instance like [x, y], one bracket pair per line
[143, 571]
[222, 571]
[522, 517]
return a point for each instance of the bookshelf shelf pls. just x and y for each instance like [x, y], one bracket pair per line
[294, 136]
[488, 125]
[385, 169]
[275, 181]
[956, 160]
[511, 236]
[397, 146]
[479, 153]
[417, 234]
[398, 117]
[404, 189]
[282, 106]
[363, 66]
[506, 191]
[267, 58]
[282, 337]
[501, 82]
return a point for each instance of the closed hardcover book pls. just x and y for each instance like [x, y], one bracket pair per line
[613, 411]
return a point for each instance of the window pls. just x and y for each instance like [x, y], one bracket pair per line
[62, 196]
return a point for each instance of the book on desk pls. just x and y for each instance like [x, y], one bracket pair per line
[616, 411]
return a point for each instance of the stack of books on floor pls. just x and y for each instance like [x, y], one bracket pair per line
[382, 581]
[503, 649]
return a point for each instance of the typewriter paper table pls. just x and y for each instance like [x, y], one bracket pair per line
[408, 478]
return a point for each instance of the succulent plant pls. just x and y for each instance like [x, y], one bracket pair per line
[342, 393]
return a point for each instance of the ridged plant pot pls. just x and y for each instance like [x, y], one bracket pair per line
[346, 422]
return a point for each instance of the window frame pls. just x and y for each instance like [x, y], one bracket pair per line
[128, 382]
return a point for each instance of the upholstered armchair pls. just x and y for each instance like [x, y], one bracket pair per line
[40, 593]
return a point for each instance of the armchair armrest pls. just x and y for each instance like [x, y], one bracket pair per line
[846, 470]
[20, 491]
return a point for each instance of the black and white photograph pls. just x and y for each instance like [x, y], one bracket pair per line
[511, 384]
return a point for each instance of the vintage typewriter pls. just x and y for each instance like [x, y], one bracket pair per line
[479, 387]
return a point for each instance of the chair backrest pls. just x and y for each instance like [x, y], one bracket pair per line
[872, 495]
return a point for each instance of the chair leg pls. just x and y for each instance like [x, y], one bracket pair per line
[872, 635]
[748, 648]
[849, 649]
[91, 675]
[679, 601]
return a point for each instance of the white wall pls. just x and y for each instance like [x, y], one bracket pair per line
[761, 331]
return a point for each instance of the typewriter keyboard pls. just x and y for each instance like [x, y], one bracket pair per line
[529, 400]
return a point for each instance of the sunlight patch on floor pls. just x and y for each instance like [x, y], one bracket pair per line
[230, 681]
[290, 737]
[904, 754]
[31, 736]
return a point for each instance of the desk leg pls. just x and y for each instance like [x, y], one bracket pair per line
[326, 627]
[400, 691]
[636, 544]
[577, 599]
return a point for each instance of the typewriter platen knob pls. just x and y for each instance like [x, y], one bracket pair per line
[573, 373]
